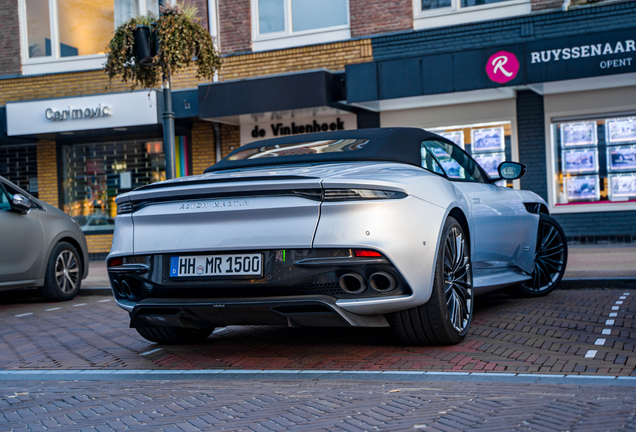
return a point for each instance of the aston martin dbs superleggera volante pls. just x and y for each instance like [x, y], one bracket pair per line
[375, 227]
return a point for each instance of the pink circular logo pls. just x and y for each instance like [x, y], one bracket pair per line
[502, 67]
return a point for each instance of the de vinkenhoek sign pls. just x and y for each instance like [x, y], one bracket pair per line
[257, 131]
[82, 113]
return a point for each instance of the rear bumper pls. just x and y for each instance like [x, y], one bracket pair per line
[292, 311]
[305, 283]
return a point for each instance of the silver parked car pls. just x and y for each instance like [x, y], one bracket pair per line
[373, 228]
[40, 246]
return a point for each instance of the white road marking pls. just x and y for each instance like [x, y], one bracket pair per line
[606, 331]
[619, 302]
[600, 341]
[81, 304]
[150, 352]
[52, 309]
[24, 314]
[613, 315]
[590, 353]
[615, 308]
[609, 322]
[625, 293]
[622, 297]
[102, 301]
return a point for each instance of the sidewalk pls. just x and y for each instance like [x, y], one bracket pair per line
[597, 262]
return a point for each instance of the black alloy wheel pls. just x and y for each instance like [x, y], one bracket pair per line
[446, 317]
[551, 258]
[63, 273]
[458, 286]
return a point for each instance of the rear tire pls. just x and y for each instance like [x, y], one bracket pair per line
[64, 271]
[445, 318]
[174, 335]
[550, 260]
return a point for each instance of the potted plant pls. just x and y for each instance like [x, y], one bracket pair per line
[175, 41]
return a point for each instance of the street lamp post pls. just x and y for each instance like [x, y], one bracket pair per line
[168, 126]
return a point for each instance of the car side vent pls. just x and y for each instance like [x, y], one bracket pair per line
[533, 207]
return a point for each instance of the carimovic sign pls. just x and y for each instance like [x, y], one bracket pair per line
[581, 56]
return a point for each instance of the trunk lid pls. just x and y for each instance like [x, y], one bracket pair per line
[226, 211]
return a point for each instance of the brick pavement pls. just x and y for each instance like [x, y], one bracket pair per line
[313, 405]
[546, 335]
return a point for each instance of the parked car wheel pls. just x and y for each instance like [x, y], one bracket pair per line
[63, 273]
[550, 260]
[445, 318]
[174, 335]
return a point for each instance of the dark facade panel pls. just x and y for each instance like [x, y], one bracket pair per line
[436, 76]
[278, 93]
[528, 28]
[185, 103]
[400, 78]
[362, 82]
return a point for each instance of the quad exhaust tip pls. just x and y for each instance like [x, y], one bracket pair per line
[123, 289]
[382, 282]
[352, 283]
[126, 289]
[117, 288]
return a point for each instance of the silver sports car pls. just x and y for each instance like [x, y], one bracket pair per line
[373, 228]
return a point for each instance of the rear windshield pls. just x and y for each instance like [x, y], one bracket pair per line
[303, 148]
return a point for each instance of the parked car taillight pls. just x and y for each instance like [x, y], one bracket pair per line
[360, 194]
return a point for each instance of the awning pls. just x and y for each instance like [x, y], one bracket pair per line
[253, 99]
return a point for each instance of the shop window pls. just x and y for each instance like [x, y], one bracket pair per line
[488, 143]
[94, 174]
[54, 30]
[595, 161]
[285, 23]
[430, 13]
[19, 165]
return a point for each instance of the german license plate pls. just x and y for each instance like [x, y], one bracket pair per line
[217, 265]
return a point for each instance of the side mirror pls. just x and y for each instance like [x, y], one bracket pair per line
[511, 170]
[21, 204]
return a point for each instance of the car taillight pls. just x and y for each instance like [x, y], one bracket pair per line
[360, 194]
[116, 262]
[367, 253]
[125, 207]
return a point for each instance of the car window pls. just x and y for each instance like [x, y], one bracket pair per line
[5, 204]
[429, 163]
[455, 162]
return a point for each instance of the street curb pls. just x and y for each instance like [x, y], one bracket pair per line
[313, 375]
[598, 283]
[95, 291]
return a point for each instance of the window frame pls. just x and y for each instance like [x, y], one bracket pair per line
[55, 63]
[487, 179]
[289, 38]
[552, 119]
[456, 14]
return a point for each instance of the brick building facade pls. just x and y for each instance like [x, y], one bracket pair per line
[379, 38]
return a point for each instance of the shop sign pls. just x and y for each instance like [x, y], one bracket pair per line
[582, 56]
[502, 67]
[278, 128]
[72, 113]
[82, 113]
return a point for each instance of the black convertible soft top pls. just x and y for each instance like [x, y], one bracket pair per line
[382, 144]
